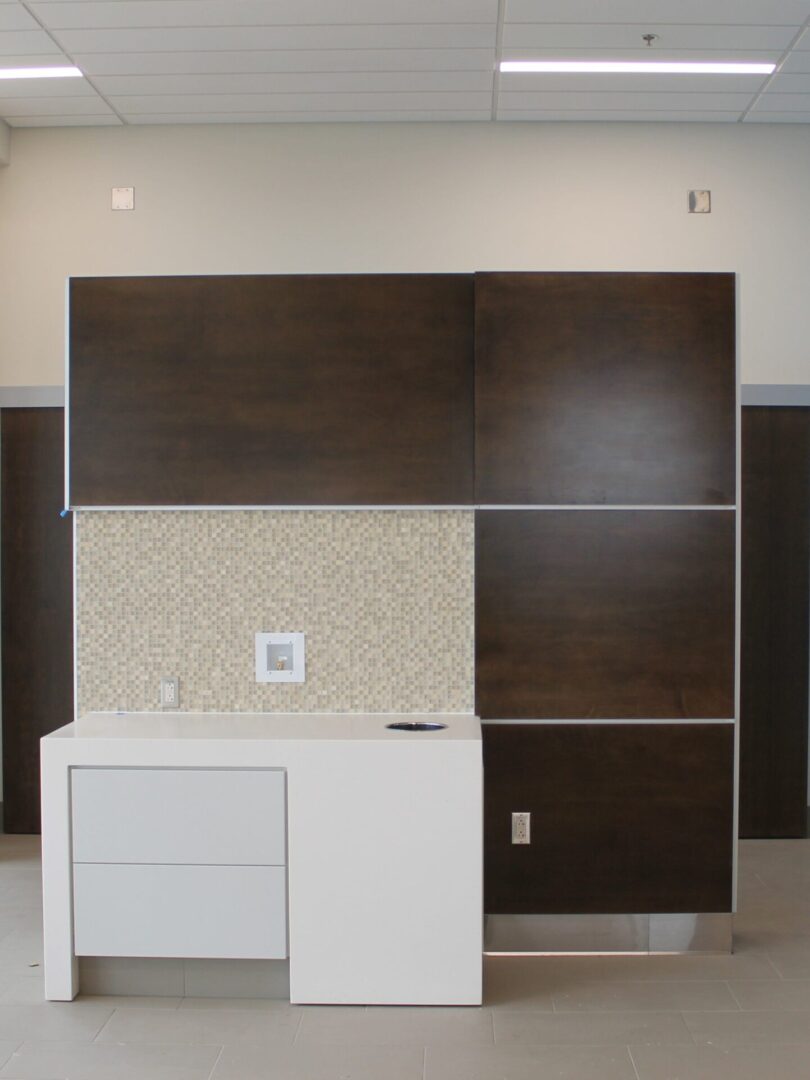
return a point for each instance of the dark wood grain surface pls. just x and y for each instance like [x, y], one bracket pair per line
[604, 614]
[605, 388]
[775, 618]
[345, 389]
[37, 599]
[625, 818]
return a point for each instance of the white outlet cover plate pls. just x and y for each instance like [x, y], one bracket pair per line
[123, 198]
[266, 671]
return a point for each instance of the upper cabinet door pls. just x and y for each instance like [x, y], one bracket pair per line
[601, 388]
[271, 390]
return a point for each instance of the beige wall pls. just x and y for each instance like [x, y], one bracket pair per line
[385, 599]
[407, 197]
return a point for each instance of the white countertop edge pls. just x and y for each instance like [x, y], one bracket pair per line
[295, 727]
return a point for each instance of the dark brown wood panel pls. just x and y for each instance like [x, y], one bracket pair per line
[37, 598]
[609, 614]
[625, 818]
[775, 621]
[605, 388]
[351, 389]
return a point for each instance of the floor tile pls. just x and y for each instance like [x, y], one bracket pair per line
[6, 1050]
[525, 1063]
[226, 1003]
[23, 990]
[517, 982]
[746, 1028]
[265, 1027]
[719, 1063]
[646, 996]
[599, 1029]
[381, 1026]
[320, 1062]
[55, 1061]
[782, 994]
[791, 957]
[21, 953]
[50, 1022]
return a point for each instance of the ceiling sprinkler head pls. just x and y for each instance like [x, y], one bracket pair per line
[649, 38]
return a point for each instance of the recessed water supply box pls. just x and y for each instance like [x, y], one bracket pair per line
[280, 658]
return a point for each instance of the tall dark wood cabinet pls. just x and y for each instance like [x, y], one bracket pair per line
[605, 589]
[37, 591]
[775, 620]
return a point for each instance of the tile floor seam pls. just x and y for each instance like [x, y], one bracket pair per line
[689, 1031]
[218, 1059]
[97, 1035]
[731, 991]
[297, 1031]
[633, 1062]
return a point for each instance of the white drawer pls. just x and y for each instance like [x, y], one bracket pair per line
[218, 816]
[237, 912]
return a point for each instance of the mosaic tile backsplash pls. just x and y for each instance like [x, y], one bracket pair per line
[385, 599]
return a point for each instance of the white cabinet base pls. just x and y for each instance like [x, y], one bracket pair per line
[384, 852]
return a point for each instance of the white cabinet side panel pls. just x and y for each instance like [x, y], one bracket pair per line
[396, 832]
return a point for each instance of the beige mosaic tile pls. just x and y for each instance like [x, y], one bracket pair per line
[385, 599]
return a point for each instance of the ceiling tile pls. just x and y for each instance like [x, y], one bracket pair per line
[617, 101]
[764, 56]
[55, 88]
[778, 117]
[638, 84]
[19, 42]
[733, 12]
[353, 116]
[15, 17]
[538, 36]
[52, 106]
[601, 115]
[68, 14]
[191, 103]
[783, 103]
[214, 39]
[107, 120]
[170, 63]
[326, 83]
[796, 63]
[33, 60]
[790, 84]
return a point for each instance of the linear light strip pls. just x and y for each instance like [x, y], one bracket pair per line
[41, 73]
[633, 67]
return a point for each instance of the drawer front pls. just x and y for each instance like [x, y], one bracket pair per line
[179, 816]
[235, 912]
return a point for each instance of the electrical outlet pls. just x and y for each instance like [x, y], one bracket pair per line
[521, 828]
[169, 692]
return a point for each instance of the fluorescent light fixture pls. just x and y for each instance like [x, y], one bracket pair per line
[635, 67]
[41, 73]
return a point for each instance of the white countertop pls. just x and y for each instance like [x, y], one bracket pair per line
[276, 726]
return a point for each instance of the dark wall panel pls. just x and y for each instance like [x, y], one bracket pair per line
[604, 614]
[272, 390]
[625, 818]
[37, 597]
[605, 388]
[775, 621]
